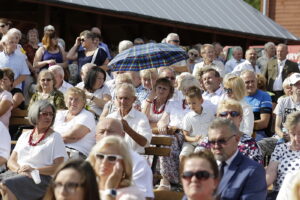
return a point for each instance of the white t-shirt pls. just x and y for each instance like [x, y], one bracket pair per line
[84, 118]
[41, 155]
[4, 142]
[139, 123]
[99, 94]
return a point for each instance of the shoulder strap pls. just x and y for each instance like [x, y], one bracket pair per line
[94, 56]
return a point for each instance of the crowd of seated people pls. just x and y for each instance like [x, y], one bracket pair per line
[225, 118]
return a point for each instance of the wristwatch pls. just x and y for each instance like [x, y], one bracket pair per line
[110, 192]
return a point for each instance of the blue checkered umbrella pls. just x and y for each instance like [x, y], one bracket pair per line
[146, 56]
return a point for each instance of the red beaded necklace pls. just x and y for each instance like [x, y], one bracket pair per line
[155, 111]
[41, 138]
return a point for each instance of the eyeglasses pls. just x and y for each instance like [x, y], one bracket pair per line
[110, 157]
[170, 78]
[231, 113]
[46, 79]
[82, 39]
[200, 175]
[228, 90]
[46, 114]
[70, 187]
[220, 141]
[2, 25]
[177, 41]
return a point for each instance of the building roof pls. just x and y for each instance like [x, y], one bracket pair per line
[224, 15]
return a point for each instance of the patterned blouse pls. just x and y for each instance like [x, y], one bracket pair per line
[55, 97]
[247, 146]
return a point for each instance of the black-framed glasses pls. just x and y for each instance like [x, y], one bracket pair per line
[200, 175]
[220, 141]
[2, 25]
[231, 113]
[70, 187]
[228, 90]
[110, 157]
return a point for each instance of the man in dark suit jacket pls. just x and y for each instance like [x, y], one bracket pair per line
[276, 65]
[242, 177]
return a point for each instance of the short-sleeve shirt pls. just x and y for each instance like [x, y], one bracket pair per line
[41, 155]
[4, 142]
[139, 122]
[99, 93]
[82, 59]
[15, 61]
[289, 161]
[85, 118]
[286, 106]
[261, 103]
[197, 124]
[6, 96]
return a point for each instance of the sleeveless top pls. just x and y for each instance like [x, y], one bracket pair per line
[58, 57]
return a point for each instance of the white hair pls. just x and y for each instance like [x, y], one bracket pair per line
[14, 31]
[57, 68]
[171, 37]
[124, 44]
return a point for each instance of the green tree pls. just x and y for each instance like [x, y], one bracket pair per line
[254, 3]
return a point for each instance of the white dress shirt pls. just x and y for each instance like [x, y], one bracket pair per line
[139, 122]
[277, 86]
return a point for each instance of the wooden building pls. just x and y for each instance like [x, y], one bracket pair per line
[286, 13]
[230, 22]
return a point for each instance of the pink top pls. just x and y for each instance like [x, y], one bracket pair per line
[6, 96]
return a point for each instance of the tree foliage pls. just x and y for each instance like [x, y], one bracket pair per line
[254, 3]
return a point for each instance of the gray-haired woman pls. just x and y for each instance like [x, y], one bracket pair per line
[41, 150]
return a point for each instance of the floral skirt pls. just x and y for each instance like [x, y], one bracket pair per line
[169, 166]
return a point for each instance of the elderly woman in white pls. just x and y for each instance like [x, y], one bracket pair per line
[41, 149]
[76, 125]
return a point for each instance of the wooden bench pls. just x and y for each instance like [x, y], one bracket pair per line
[160, 146]
[18, 121]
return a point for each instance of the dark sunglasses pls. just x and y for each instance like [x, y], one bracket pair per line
[192, 54]
[219, 142]
[3, 25]
[200, 175]
[177, 41]
[228, 90]
[82, 39]
[231, 113]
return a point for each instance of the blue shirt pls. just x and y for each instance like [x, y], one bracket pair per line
[15, 61]
[231, 64]
[260, 102]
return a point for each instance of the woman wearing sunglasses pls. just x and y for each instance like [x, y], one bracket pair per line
[199, 176]
[111, 157]
[232, 110]
[38, 152]
[235, 88]
[74, 180]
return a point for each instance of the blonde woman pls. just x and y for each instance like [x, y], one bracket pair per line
[111, 156]
[234, 88]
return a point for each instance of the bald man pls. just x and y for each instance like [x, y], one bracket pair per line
[142, 174]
